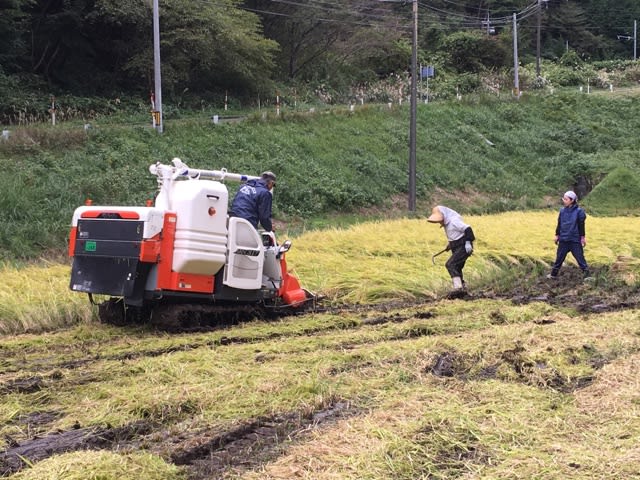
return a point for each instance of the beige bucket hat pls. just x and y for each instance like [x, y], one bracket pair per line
[436, 216]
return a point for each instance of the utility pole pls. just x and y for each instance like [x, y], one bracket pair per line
[635, 39]
[156, 67]
[414, 106]
[516, 79]
[538, 39]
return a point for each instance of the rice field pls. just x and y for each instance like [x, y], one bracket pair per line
[369, 262]
[394, 381]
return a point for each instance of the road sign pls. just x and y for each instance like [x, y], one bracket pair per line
[428, 71]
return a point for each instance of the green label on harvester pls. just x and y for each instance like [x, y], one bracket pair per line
[90, 246]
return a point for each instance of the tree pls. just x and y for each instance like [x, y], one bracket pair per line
[98, 46]
[12, 23]
[473, 52]
[57, 42]
[321, 39]
[204, 45]
[102, 46]
[569, 21]
[608, 19]
[303, 31]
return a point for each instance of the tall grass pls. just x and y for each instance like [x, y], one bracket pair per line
[367, 263]
[392, 260]
[37, 298]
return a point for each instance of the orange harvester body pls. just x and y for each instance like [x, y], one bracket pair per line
[184, 250]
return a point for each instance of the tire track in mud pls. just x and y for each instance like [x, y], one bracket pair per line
[37, 449]
[454, 364]
[569, 289]
[207, 453]
[38, 380]
[257, 442]
[210, 453]
[253, 436]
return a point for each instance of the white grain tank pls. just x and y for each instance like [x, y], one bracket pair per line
[201, 229]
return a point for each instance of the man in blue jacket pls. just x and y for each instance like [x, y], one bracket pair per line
[570, 235]
[253, 201]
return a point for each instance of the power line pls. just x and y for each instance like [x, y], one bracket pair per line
[337, 12]
[459, 20]
[368, 19]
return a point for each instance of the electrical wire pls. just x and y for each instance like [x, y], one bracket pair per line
[367, 19]
[377, 16]
[453, 19]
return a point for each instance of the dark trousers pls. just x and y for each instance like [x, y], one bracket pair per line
[456, 261]
[576, 250]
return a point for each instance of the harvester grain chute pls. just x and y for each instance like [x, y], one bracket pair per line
[183, 262]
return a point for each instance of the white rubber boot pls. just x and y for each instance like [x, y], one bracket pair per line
[457, 283]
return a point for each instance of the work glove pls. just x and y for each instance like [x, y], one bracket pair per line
[583, 241]
[556, 239]
[468, 246]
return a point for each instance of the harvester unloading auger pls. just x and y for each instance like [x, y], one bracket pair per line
[183, 262]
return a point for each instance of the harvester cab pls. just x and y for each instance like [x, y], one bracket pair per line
[184, 251]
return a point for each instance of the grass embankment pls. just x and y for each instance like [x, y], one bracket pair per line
[481, 155]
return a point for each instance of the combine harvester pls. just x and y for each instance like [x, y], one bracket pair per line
[182, 263]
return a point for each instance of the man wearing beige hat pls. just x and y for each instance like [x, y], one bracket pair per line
[460, 237]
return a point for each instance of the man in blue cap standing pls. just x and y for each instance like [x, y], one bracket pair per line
[570, 235]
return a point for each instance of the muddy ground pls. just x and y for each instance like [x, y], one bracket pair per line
[592, 295]
[208, 454]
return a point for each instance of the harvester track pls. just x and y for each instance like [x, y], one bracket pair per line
[188, 317]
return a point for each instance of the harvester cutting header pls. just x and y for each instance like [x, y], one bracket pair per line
[183, 261]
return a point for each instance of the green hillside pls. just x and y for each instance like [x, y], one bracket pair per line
[479, 155]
